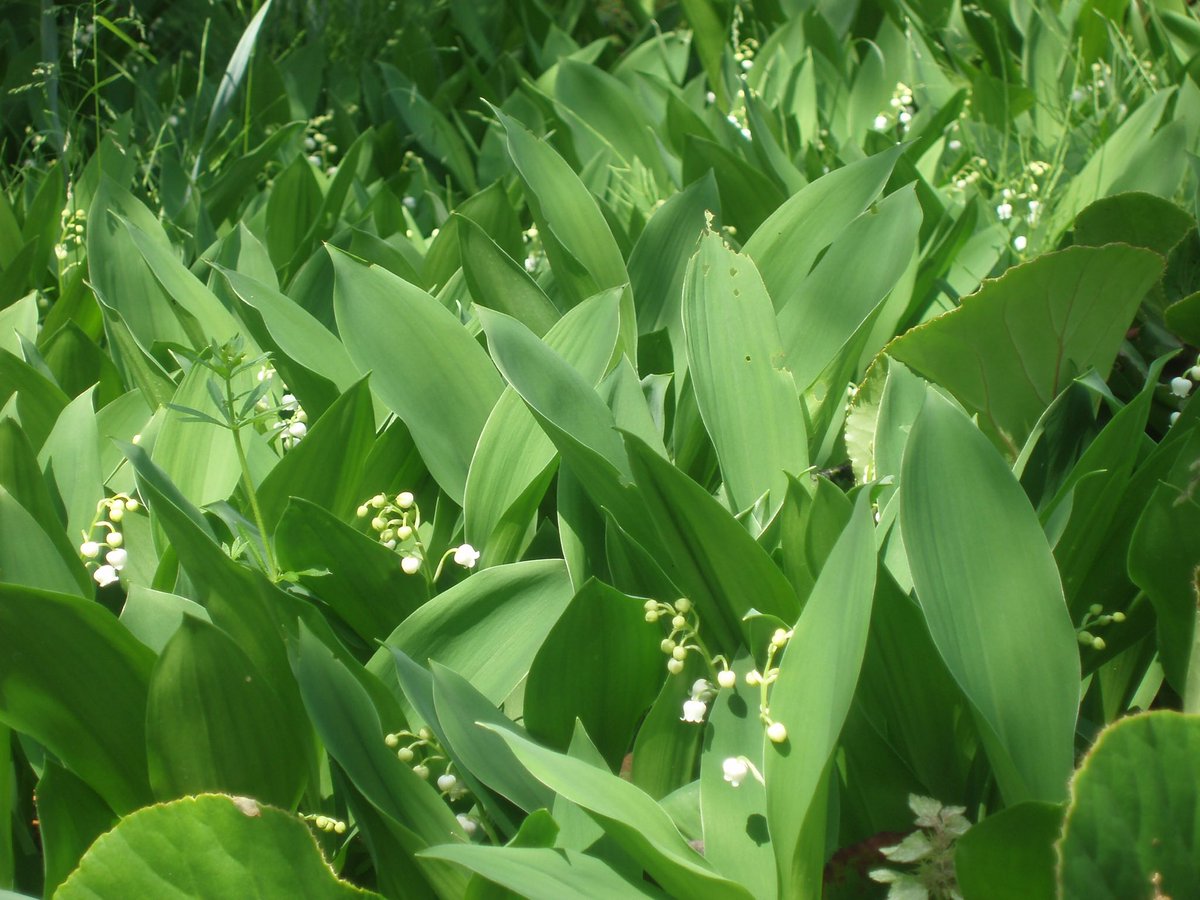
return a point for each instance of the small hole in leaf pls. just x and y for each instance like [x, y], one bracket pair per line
[747, 359]
[732, 272]
[736, 292]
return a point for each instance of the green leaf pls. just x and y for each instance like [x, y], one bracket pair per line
[76, 682]
[424, 364]
[70, 818]
[1139, 219]
[811, 698]
[541, 873]
[39, 401]
[487, 628]
[601, 665]
[513, 451]
[326, 467]
[1010, 855]
[743, 384]
[436, 134]
[251, 850]
[1009, 349]
[153, 617]
[461, 713]
[630, 817]
[30, 557]
[71, 455]
[499, 282]
[492, 213]
[581, 248]
[214, 723]
[709, 555]
[981, 563]
[1130, 829]
[748, 197]
[785, 246]
[294, 202]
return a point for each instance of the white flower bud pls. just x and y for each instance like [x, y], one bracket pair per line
[322, 823]
[727, 678]
[404, 499]
[466, 556]
[683, 605]
[116, 559]
[674, 666]
[379, 523]
[1019, 243]
[362, 511]
[881, 122]
[105, 575]
[404, 532]
[410, 564]
[735, 770]
[446, 782]
[297, 429]
[678, 622]
[1180, 386]
[89, 549]
[421, 771]
[392, 740]
[777, 732]
[753, 678]
[694, 711]
[115, 539]
[404, 754]
[339, 827]
[467, 823]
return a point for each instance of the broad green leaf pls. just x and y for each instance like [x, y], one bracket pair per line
[1008, 350]
[487, 628]
[297, 332]
[582, 251]
[251, 850]
[326, 467]
[349, 726]
[660, 256]
[214, 723]
[736, 840]
[811, 698]
[1010, 854]
[981, 566]
[862, 265]
[437, 135]
[70, 817]
[1131, 828]
[513, 451]
[630, 817]
[461, 714]
[29, 556]
[601, 665]
[709, 555]
[425, 365]
[292, 204]
[499, 282]
[491, 212]
[21, 478]
[785, 246]
[542, 873]
[748, 197]
[153, 616]
[38, 403]
[363, 582]
[744, 388]
[1136, 218]
[76, 682]
[71, 456]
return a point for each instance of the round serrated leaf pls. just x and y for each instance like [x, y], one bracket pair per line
[213, 845]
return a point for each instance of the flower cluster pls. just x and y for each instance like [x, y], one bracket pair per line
[684, 636]
[320, 149]
[534, 254]
[325, 823]
[420, 750]
[109, 513]
[397, 522]
[71, 235]
[900, 112]
[291, 426]
[1181, 385]
[776, 731]
[930, 849]
[1096, 617]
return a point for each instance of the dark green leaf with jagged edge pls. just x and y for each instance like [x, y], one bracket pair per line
[214, 723]
[603, 639]
[1009, 349]
[250, 850]
[1135, 218]
[423, 363]
[1131, 827]
[817, 678]
[76, 681]
[981, 563]
[1010, 854]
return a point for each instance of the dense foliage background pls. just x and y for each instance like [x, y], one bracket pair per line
[704, 449]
